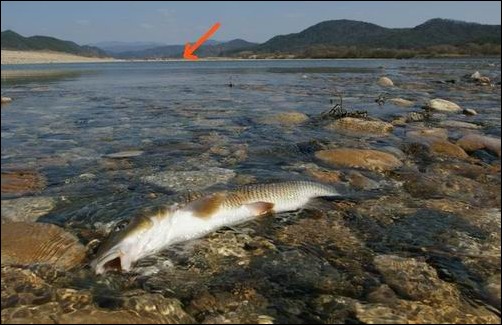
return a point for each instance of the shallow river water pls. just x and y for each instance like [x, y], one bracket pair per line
[86, 146]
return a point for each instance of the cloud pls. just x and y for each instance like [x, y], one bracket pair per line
[83, 22]
[146, 26]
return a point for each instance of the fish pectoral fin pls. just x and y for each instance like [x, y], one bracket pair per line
[260, 208]
[206, 206]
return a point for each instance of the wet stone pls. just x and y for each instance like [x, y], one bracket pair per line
[360, 181]
[286, 118]
[473, 142]
[190, 180]
[442, 105]
[31, 243]
[459, 125]
[124, 154]
[401, 102]
[359, 158]
[385, 82]
[6, 100]
[26, 208]
[413, 279]
[361, 126]
[22, 182]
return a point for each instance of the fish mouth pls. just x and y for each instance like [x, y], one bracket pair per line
[110, 262]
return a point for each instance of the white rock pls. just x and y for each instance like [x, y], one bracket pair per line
[469, 111]
[443, 105]
[476, 75]
[6, 100]
[385, 82]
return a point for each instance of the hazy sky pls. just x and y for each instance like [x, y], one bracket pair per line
[174, 22]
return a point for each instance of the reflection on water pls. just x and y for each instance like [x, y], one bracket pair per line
[16, 77]
[88, 145]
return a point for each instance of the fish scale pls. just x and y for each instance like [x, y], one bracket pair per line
[202, 215]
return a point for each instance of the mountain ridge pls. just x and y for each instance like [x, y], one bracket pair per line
[11, 40]
[341, 38]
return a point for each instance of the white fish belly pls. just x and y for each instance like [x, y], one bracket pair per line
[186, 226]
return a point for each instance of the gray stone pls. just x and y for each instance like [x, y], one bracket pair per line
[190, 180]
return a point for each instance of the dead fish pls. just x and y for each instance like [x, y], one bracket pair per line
[148, 234]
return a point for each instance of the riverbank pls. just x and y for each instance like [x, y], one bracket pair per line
[37, 57]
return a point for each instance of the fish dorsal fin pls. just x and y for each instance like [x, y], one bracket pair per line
[206, 206]
[260, 208]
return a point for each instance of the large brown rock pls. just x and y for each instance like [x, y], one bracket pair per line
[359, 158]
[361, 126]
[30, 243]
[436, 140]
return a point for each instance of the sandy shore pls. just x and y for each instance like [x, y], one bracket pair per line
[31, 57]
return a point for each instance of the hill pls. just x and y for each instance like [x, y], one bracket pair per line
[359, 38]
[211, 49]
[13, 41]
[114, 47]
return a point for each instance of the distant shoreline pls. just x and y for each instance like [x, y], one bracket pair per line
[43, 57]
[10, 57]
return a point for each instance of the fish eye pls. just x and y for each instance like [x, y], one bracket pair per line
[121, 225]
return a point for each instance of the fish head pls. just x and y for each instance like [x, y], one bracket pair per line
[127, 243]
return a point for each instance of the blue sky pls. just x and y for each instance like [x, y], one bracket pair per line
[173, 22]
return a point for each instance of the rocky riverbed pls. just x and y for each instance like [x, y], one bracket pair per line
[415, 238]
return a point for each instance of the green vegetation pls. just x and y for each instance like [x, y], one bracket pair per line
[14, 41]
[354, 39]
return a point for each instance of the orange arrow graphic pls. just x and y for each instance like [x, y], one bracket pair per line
[189, 49]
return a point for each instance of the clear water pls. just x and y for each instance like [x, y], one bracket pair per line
[65, 119]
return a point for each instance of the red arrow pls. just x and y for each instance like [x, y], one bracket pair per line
[189, 49]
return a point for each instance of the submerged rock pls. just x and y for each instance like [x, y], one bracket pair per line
[125, 154]
[412, 312]
[436, 140]
[443, 105]
[459, 125]
[22, 182]
[359, 158]
[31, 243]
[286, 118]
[473, 142]
[413, 279]
[428, 133]
[385, 82]
[190, 180]
[361, 125]
[446, 148]
[362, 182]
[492, 289]
[401, 102]
[26, 208]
